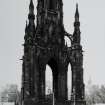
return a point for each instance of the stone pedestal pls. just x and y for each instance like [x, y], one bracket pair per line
[50, 102]
[78, 102]
[37, 102]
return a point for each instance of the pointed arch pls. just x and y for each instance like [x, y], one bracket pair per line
[49, 80]
[69, 81]
[52, 63]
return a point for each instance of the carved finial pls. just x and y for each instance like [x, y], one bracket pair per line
[76, 34]
[31, 10]
[76, 13]
[31, 7]
[31, 4]
[77, 5]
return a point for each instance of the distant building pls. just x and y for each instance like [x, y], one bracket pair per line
[49, 87]
[9, 93]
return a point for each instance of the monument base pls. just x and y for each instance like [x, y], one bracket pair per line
[37, 102]
[50, 102]
[78, 102]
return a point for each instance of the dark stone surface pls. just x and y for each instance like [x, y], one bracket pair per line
[44, 44]
[49, 102]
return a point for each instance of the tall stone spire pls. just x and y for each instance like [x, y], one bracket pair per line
[77, 13]
[30, 26]
[76, 34]
[45, 44]
[31, 15]
[31, 7]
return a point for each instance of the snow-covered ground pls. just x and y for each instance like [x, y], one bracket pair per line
[99, 104]
[6, 103]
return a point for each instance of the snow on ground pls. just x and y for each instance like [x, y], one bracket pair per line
[6, 103]
[99, 104]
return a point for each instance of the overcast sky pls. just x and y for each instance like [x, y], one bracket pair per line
[13, 14]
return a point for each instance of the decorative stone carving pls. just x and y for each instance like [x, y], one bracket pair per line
[44, 44]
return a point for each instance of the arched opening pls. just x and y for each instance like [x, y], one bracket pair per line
[69, 81]
[67, 41]
[48, 80]
[51, 78]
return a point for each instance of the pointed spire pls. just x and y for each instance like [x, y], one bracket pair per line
[30, 26]
[76, 34]
[31, 10]
[76, 16]
[31, 6]
[77, 13]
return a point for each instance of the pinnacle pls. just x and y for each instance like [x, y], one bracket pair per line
[31, 4]
[76, 13]
[77, 5]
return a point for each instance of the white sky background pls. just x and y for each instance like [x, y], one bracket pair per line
[13, 14]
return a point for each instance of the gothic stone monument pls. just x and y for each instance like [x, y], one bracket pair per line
[44, 44]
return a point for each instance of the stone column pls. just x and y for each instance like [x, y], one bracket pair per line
[73, 91]
[36, 79]
[62, 84]
[42, 82]
[26, 79]
[77, 93]
[26, 88]
[55, 83]
[32, 74]
[23, 80]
